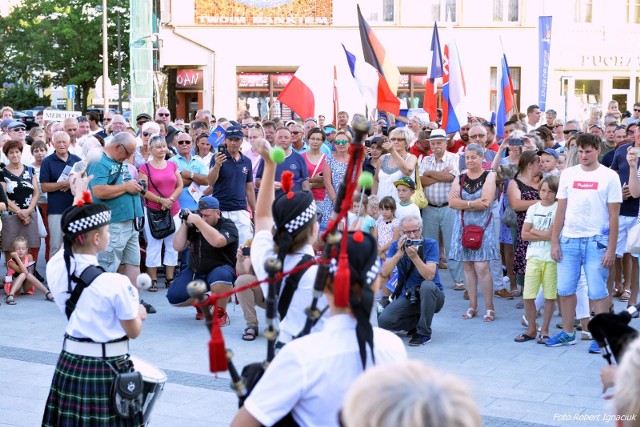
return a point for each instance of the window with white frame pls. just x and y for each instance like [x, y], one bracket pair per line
[506, 10]
[493, 92]
[633, 11]
[584, 11]
[378, 11]
[442, 10]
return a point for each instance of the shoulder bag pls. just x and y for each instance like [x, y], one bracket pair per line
[161, 222]
[472, 234]
[419, 198]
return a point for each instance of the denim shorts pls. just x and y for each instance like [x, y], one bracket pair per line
[585, 252]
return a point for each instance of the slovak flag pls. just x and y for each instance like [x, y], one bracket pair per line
[388, 74]
[504, 96]
[217, 137]
[454, 91]
[435, 73]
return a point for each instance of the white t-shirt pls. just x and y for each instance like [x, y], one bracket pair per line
[587, 194]
[294, 321]
[406, 210]
[312, 374]
[541, 218]
[109, 299]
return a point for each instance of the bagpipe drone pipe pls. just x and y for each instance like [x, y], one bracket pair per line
[334, 252]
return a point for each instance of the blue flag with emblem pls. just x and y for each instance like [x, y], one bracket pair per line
[217, 137]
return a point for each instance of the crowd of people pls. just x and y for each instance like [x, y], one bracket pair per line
[540, 214]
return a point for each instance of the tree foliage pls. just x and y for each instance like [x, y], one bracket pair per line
[60, 43]
[22, 97]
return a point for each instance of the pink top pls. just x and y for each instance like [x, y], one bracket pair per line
[318, 193]
[165, 180]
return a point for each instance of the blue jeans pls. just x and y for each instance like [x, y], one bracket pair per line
[586, 252]
[177, 293]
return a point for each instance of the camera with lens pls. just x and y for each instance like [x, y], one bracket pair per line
[413, 295]
[143, 183]
[184, 214]
[412, 242]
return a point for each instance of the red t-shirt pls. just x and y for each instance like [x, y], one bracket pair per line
[458, 146]
[494, 147]
[416, 151]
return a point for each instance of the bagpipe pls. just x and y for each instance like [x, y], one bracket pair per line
[612, 332]
[334, 254]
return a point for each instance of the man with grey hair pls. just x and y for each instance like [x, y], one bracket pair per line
[70, 126]
[114, 185]
[419, 293]
[118, 124]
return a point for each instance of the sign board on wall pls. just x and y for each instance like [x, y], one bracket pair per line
[190, 80]
[58, 115]
[264, 12]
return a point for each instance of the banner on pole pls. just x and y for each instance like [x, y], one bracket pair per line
[544, 35]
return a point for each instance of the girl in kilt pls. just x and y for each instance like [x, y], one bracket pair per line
[107, 314]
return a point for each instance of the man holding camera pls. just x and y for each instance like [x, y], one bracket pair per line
[419, 293]
[231, 177]
[213, 243]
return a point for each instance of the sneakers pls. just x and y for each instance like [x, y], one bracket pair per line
[150, 309]
[199, 314]
[503, 293]
[419, 340]
[561, 339]
[222, 316]
[594, 348]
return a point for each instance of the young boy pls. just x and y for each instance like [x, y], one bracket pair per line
[541, 269]
[406, 188]
[549, 162]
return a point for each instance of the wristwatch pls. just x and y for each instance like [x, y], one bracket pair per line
[191, 175]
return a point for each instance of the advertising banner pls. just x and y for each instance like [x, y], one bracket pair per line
[544, 35]
[264, 12]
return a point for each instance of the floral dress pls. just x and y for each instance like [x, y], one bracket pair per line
[338, 170]
[520, 254]
[472, 190]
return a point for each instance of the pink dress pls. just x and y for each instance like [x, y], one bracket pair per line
[165, 180]
[315, 170]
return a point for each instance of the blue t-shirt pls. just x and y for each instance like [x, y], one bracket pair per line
[50, 170]
[126, 206]
[629, 207]
[431, 253]
[295, 163]
[195, 166]
[230, 188]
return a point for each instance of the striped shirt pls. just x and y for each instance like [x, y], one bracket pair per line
[438, 193]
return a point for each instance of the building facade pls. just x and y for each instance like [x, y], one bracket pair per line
[234, 54]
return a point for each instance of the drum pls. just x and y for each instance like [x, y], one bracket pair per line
[154, 380]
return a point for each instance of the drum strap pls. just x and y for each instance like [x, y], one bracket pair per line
[86, 278]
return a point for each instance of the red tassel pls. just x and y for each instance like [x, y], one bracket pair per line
[217, 350]
[286, 181]
[86, 196]
[358, 236]
[342, 281]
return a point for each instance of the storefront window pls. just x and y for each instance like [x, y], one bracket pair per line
[584, 11]
[588, 96]
[506, 10]
[378, 11]
[411, 91]
[443, 10]
[258, 93]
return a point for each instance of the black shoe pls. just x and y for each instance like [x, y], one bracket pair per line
[411, 332]
[150, 309]
[419, 340]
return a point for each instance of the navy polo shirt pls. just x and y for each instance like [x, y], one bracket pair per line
[50, 170]
[230, 188]
[630, 206]
[295, 163]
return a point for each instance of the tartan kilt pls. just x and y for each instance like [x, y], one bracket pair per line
[79, 393]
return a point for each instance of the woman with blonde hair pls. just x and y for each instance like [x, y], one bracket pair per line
[393, 166]
[409, 394]
[627, 394]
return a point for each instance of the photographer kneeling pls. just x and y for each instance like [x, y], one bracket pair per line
[419, 293]
[213, 242]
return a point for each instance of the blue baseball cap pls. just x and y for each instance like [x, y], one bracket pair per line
[549, 151]
[234, 132]
[16, 124]
[208, 202]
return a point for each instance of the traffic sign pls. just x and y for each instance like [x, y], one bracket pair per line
[71, 91]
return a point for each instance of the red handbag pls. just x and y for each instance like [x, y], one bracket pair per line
[472, 234]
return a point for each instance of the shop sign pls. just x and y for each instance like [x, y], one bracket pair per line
[264, 12]
[253, 80]
[616, 61]
[281, 80]
[190, 80]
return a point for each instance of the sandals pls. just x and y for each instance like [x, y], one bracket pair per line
[154, 286]
[489, 316]
[542, 339]
[442, 264]
[523, 337]
[168, 282]
[250, 333]
[625, 295]
[49, 297]
[10, 300]
[471, 312]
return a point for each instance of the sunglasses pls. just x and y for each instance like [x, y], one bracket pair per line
[296, 132]
[140, 123]
[184, 141]
[107, 120]
[146, 134]
[164, 114]
[567, 132]
[18, 130]
[248, 125]
[342, 141]
[636, 110]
